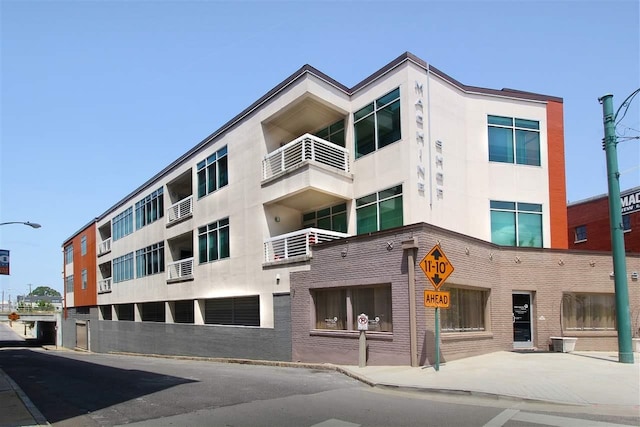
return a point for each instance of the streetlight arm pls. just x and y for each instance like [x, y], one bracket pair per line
[30, 224]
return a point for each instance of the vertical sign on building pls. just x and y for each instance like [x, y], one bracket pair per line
[4, 262]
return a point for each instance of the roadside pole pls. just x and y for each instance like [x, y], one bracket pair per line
[437, 268]
[623, 316]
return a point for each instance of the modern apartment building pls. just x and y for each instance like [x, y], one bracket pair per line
[590, 228]
[198, 259]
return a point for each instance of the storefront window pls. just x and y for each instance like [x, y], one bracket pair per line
[466, 312]
[332, 307]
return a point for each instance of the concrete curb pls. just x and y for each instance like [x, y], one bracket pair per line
[360, 378]
[33, 410]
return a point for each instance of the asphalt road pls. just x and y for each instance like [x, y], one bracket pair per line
[86, 389]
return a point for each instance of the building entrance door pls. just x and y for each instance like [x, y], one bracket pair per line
[522, 325]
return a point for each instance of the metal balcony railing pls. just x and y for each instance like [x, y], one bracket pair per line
[104, 286]
[307, 147]
[105, 246]
[180, 210]
[180, 269]
[297, 243]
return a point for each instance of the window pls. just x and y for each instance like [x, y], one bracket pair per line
[213, 241]
[378, 124]
[84, 278]
[83, 245]
[333, 218]
[503, 131]
[106, 312]
[149, 209]
[581, 233]
[238, 311]
[626, 222]
[516, 224]
[374, 301]
[150, 260]
[125, 312]
[466, 312]
[213, 172]
[152, 311]
[123, 268]
[588, 312]
[68, 284]
[68, 254]
[333, 133]
[123, 224]
[183, 312]
[379, 211]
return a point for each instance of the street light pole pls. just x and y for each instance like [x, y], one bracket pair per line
[623, 315]
[30, 224]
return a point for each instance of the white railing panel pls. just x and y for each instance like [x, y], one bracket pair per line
[297, 243]
[180, 209]
[104, 285]
[180, 269]
[307, 147]
[105, 246]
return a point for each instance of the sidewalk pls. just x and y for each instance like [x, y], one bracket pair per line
[15, 407]
[590, 379]
[577, 378]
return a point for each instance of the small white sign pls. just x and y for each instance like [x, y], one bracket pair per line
[363, 322]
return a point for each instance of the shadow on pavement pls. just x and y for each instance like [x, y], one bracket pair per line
[63, 388]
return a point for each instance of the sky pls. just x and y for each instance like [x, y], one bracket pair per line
[96, 97]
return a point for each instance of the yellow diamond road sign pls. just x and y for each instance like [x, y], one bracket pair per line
[436, 266]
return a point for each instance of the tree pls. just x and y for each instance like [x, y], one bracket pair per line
[45, 291]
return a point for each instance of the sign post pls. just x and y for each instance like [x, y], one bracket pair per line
[437, 268]
[363, 325]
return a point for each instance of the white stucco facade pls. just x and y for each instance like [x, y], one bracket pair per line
[441, 162]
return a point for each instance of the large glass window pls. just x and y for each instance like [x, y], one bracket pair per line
[514, 140]
[122, 224]
[333, 133]
[123, 268]
[379, 211]
[378, 124]
[213, 241]
[68, 284]
[213, 172]
[68, 254]
[238, 311]
[516, 224]
[331, 308]
[588, 312]
[466, 312]
[333, 218]
[150, 260]
[149, 209]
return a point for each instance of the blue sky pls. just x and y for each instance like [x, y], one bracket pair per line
[98, 96]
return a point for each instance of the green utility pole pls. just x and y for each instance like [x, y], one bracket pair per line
[623, 315]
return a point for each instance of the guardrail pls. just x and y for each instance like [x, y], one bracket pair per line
[297, 243]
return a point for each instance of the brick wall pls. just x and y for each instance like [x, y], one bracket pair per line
[379, 259]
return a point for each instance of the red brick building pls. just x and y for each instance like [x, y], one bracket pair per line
[589, 227]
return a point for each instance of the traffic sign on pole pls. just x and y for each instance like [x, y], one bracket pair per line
[436, 266]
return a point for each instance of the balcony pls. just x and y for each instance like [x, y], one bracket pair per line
[306, 169]
[306, 148]
[104, 286]
[297, 244]
[104, 247]
[180, 270]
[180, 210]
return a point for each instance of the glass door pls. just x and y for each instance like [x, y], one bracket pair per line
[522, 325]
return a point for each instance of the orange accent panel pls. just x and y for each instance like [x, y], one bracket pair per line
[557, 178]
[89, 296]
